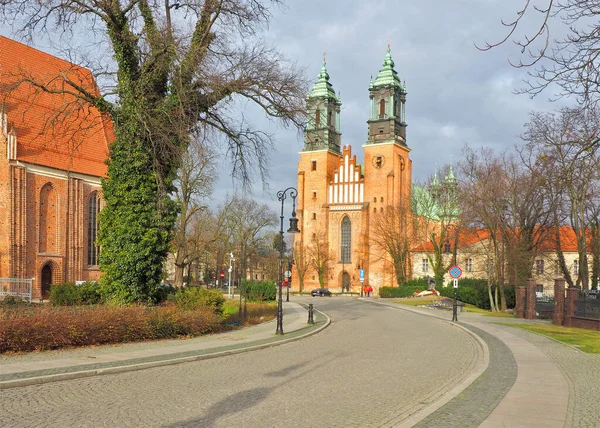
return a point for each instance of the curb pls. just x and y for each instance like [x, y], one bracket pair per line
[38, 380]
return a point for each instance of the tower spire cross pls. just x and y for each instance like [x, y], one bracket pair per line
[388, 43]
[324, 57]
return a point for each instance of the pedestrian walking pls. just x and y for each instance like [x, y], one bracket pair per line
[369, 291]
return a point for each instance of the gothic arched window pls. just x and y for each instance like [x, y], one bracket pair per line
[93, 252]
[382, 107]
[346, 240]
[48, 224]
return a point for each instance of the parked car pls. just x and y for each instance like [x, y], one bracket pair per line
[320, 292]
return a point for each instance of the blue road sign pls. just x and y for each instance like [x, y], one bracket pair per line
[362, 275]
[455, 272]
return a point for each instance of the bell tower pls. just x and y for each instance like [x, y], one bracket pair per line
[322, 130]
[387, 122]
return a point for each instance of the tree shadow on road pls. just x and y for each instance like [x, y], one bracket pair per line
[233, 404]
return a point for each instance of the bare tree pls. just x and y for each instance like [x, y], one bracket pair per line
[391, 232]
[320, 257]
[302, 263]
[571, 61]
[194, 184]
[566, 143]
[436, 221]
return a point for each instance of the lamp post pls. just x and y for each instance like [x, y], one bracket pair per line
[281, 195]
[231, 259]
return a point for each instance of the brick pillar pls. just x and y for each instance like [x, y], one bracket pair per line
[520, 301]
[558, 317]
[571, 304]
[530, 296]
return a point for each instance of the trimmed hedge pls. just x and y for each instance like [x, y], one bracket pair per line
[46, 327]
[260, 290]
[475, 292]
[403, 291]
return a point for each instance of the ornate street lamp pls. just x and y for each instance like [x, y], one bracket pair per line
[281, 195]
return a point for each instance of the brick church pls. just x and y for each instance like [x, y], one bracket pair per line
[338, 198]
[53, 148]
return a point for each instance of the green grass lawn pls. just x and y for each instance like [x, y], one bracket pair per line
[586, 340]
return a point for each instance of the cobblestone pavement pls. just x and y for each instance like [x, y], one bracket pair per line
[472, 406]
[583, 374]
[371, 368]
[581, 370]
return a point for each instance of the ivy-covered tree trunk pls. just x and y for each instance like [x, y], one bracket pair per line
[136, 223]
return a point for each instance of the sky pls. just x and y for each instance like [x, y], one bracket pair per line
[457, 95]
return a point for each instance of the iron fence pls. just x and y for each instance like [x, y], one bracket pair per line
[18, 287]
[544, 305]
[588, 305]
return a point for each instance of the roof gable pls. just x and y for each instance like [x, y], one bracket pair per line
[53, 128]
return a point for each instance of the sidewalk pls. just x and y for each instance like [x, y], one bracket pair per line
[36, 368]
[542, 387]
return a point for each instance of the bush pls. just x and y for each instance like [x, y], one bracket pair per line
[70, 294]
[64, 294]
[420, 283]
[261, 290]
[13, 301]
[402, 291]
[197, 298]
[89, 293]
[475, 292]
[40, 327]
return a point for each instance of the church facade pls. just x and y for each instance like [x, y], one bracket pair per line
[53, 149]
[339, 199]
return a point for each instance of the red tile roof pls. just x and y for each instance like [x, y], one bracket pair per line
[53, 129]
[468, 237]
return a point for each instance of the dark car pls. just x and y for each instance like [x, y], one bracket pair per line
[320, 292]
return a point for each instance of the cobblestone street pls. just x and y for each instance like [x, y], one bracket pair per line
[374, 366]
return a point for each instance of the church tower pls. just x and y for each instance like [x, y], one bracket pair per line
[319, 161]
[388, 168]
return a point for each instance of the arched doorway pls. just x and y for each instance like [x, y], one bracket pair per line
[345, 281]
[46, 281]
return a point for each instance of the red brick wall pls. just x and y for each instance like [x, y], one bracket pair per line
[45, 224]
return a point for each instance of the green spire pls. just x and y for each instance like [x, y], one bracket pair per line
[387, 75]
[450, 178]
[323, 88]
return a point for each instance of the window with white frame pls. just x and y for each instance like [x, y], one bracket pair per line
[425, 265]
[575, 267]
[539, 267]
[469, 265]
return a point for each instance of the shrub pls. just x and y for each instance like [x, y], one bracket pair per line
[64, 294]
[402, 291]
[261, 290]
[13, 301]
[41, 327]
[420, 283]
[89, 293]
[196, 297]
[475, 292]
[70, 294]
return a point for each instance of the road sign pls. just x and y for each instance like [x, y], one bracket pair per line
[455, 272]
[362, 275]
[455, 283]
[287, 273]
[222, 274]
